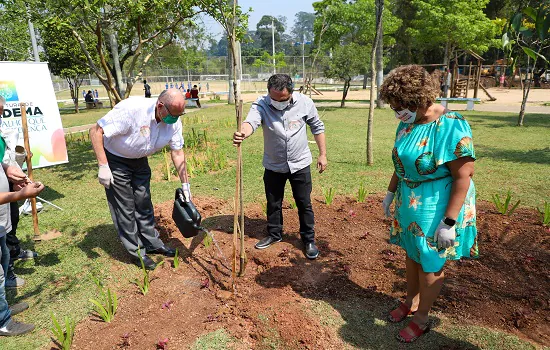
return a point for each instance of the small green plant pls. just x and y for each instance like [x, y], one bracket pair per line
[329, 195]
[292, 204]
[545, 214]
[145, 285]
[361, 193]
[176, 259]
[207, 240]
[107, 304]
[504, 207]
[63, 337]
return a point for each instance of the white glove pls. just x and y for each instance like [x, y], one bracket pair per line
[387, 202]
[186, 188]
[105, 176]
[444, 236]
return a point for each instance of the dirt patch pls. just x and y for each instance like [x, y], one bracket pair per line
[507, 288]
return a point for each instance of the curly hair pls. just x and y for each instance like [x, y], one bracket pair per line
[410, 85]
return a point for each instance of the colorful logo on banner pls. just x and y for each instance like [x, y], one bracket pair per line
[8, 91]
[47, 140]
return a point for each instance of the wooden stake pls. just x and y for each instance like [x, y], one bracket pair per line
[236, 213]
[243, 260]
[29, 169]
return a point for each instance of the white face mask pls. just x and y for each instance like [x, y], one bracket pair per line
[280, 105]
[406, 116]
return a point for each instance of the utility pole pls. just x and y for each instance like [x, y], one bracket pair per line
[273, 42]
[33, 40]
[303, 58]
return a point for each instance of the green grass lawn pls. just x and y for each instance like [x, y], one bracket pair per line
[61, 280]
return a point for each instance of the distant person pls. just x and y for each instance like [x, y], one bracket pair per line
[188, 94]
[147, 89]
[171, 85]
[189, 85]
[96, 96]
[182, 86]
[207, 87]
[89, 98]
[195, 94]
[200, 87]
[166, 85]
[84, 94]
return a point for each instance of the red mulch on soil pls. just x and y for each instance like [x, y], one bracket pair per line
[507, 288]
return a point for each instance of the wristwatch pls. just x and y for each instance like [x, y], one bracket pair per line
[449, 221]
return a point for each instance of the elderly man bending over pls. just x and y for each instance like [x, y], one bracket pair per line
[136, 128]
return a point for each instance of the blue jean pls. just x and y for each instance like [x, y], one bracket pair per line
[5, 313]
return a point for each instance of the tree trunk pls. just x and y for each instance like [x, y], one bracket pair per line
[525, 93]
[447, 53]
[347, 83]
[380, 65]
[379, 11]
[116, 62]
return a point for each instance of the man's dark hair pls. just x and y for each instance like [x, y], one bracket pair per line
[279, 82]
[144, 81]
[194, 86]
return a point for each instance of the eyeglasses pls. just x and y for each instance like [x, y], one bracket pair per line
[172, 114]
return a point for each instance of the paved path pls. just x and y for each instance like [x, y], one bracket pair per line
[483, 107]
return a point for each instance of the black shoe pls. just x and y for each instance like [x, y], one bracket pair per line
[311, 251]
[147, 262]
[14, 328]
[266, 242]
[18, 308]
[164, 250]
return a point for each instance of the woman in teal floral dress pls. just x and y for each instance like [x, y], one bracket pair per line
[434, 217]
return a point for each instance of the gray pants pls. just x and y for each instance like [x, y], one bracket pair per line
[130, 204]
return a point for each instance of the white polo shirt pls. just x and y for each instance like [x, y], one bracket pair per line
[130, 130]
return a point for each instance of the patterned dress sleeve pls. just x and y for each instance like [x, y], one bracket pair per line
[453, 139]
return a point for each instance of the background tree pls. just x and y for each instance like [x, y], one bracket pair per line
[347, 61]
[15, 41]
[377, 38]
[528, 39]
[263, 31]
[65, 58]
[352, 22]
[303, 26]
[452, 24]
[126, 34]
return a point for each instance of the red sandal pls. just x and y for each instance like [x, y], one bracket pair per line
[400, 313]
[406, 337]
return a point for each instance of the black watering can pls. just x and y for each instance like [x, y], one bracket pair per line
[186, 216]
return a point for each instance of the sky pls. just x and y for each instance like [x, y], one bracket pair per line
[287, 8]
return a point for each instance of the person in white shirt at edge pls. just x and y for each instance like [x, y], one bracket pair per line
[284, 115]
[134, 129]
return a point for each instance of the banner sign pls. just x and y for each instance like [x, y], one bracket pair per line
[30, 83]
